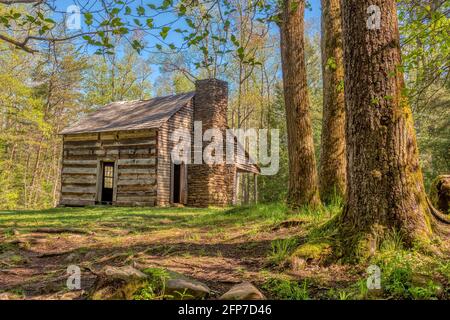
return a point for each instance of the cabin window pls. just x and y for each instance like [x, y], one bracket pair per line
[108, 182]
[108, 177]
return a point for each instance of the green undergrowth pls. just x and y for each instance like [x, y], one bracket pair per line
[416, 272]
[155, 286]
[286, 289]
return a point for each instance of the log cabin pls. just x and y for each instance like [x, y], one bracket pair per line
[121, 153]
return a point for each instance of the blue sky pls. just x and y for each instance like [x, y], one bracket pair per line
[312, 15]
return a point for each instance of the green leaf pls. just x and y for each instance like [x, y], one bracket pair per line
[88, 18]
[240, 52]
[166, 4]
[164, 32]
[149, 22]
[137, 45]
[49, 20]
[190, 23]
[140, 10]
[234, 40]
[181, 10]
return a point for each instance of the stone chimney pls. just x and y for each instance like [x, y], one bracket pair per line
[210, 184]
[211, 103]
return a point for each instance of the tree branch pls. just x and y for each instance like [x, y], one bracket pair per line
[20, 45]
[10, 2]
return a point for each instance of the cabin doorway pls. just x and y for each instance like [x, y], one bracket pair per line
[107, 182]
[179, 184]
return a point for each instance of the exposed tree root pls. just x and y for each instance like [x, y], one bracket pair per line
[440, 222]
[437, 214]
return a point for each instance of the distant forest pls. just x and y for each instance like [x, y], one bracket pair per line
[44, 91]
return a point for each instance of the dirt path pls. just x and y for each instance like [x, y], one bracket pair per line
[34, 264]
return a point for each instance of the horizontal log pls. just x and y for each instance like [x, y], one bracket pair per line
[132, 134]
[136, 134]
[76, 202]
[84, 196]
[136, 161]
[136, 188]
[83, 179]
[81, 144]
[78, 152]
[81, 137]
[141, 182]
[112, 152]
[131, 142]
[137, 166]
[137, 151]
[142, 154]
[108, 135]
[128, 198]
[135, 204]
[147, 195]
[80, 162]
[137, 171]
[68, 170]
[137, 176]
[78, 189]
[76, 145]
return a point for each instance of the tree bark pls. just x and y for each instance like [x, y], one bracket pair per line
[303, 181]
[385, 189]
[332, 162]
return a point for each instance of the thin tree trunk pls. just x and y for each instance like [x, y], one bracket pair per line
[35, 171]
[385, 189]
[56, 172]
[303, 181]
[332, 161]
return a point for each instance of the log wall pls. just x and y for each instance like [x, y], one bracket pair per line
[181, 119]
[134, 154]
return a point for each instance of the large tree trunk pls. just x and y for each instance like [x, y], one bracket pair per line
[385, 188]
[303, 184]
[332, 161]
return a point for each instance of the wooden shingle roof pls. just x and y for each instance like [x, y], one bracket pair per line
[131, 115]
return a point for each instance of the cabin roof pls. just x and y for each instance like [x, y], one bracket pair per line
[131, 115]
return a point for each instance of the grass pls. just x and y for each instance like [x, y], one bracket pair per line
[155, 288]
[134, 219]
[282, 249]
[228, 237]
[287, 289]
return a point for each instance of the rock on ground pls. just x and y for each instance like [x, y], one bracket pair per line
[243, 291]
[181, 287]
[118, 283]
[122, 283]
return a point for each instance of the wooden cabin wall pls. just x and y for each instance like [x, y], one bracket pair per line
[181, 119]
[134, 154]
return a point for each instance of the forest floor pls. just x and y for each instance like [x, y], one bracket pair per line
[219, 247]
